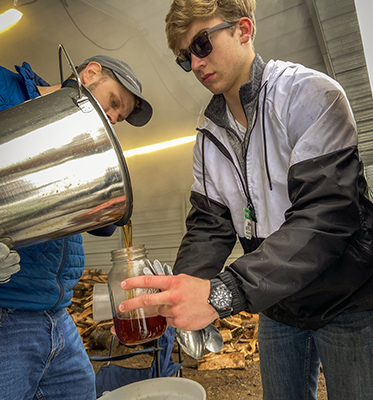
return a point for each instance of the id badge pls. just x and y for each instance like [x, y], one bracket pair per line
[248, 224]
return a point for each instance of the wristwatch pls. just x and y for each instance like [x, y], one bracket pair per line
[220, 298]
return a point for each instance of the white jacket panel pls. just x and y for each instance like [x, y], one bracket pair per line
[279, 138]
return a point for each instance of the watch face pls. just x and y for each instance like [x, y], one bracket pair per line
[220, 297]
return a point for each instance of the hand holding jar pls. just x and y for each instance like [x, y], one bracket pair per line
[140, 325]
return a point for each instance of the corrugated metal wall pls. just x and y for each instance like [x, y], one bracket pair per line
[338, 32]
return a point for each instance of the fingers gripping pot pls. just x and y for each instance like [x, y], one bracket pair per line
[62, 170]
[140, 325]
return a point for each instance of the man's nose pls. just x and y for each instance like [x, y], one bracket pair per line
[196, 62]
[113, 116]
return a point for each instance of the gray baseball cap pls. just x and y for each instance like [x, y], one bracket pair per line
[129, 80]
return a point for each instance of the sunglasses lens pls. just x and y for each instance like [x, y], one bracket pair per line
[201, 45]
[184, 61]
[184, 64]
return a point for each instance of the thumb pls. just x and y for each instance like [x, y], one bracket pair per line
[4, 251]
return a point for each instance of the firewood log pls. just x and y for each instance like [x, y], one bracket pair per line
[100, 338]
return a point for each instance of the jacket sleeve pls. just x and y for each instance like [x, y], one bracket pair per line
[104, 231]
[323, 187]
[209, 240]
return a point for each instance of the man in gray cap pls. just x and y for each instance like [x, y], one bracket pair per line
[41, 351]
[125, 76]
[115, 86]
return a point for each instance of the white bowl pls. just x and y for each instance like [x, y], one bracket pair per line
[158, 389]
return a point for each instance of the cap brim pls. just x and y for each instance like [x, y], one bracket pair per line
[142, 116]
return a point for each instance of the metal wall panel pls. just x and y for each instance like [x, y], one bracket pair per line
[335, 21]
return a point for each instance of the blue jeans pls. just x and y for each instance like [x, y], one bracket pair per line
[290, 358]
[42, 357]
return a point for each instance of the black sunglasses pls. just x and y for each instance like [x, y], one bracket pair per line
[200, 47]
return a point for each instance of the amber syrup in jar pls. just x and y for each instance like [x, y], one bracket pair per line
[139, 330]
[137, 326]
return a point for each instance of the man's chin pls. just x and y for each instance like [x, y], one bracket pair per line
[211, 87]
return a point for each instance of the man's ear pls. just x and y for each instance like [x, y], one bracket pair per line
[246, 29]
[91, 73]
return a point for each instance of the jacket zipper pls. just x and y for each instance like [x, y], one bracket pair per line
[59, 273]
[226, 153]
[250, 210]
[244, 151]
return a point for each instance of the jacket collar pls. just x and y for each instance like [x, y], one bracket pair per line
[216, 109]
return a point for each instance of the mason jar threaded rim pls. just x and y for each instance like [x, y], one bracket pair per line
[125, 252]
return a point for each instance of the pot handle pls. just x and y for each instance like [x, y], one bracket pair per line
[60, 48]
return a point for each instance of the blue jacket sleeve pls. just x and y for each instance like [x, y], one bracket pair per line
[105, 231]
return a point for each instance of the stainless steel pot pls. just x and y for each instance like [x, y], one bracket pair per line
[62, 170]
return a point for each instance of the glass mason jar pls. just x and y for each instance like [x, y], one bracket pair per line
[141, 325]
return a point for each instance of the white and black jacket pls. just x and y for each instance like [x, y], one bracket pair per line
[312, 254]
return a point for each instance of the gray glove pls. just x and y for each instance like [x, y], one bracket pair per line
[192, 342]
[9, 263]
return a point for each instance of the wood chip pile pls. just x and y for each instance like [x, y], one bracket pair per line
[240, 335]
[239, 331]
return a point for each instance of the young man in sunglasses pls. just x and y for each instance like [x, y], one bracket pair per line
[276, 164]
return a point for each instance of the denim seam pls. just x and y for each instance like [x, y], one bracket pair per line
[54, 350]
[39, 395]
[3, 315]
[307, 368]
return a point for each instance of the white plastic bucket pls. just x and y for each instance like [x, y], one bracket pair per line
[101, 302]
[159, 389]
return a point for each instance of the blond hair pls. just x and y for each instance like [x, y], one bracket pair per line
[183, 13]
